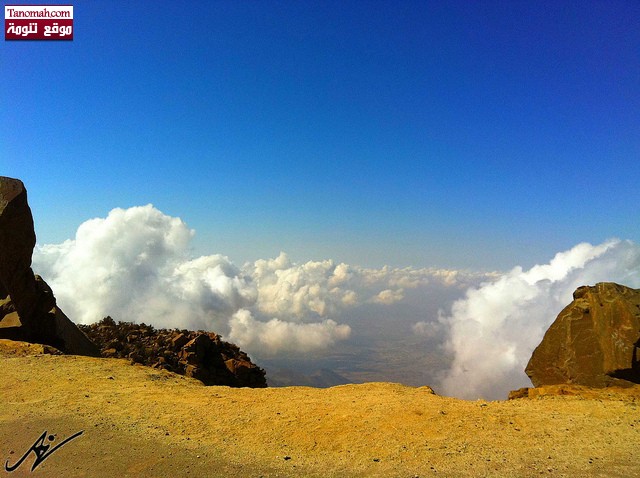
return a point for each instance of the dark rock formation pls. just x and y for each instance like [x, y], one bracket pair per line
[18, 238]
[28, 308]
[595, 341]
[201, 355]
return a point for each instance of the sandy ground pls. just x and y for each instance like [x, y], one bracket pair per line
[140, 422]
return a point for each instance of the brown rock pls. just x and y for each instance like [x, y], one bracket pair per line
[201, 355]
[520, 393]
[18, 238]
[28, 308]
[115, 344]
[179, 341]
[191, 371]
[595, 340]
[74, 341]
[245, 371]
[232, 365]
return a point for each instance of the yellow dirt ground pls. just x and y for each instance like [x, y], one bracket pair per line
[140, 422]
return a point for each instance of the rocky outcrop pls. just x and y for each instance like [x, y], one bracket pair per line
[28, 309]
[201, 355]
[595, 341]
[18, 238]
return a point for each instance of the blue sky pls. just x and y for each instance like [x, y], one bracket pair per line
[453, 134]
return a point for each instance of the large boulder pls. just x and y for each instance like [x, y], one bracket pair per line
[595, 340]
[18, 238]
[28, 309]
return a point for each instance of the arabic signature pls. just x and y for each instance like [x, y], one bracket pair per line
[41, 449]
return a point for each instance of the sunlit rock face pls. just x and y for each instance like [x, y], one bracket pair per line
[594, 341]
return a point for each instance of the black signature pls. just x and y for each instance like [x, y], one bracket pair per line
[41, 449]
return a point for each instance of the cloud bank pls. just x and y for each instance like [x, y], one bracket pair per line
[493, 330]
[277, 335]
[135, 265]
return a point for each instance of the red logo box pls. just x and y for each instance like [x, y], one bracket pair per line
[38, 22]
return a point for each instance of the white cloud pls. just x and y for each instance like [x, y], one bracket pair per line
[116, 265]
[214, 283]
[274, 336]
[389, 296]
[322, 288]
[135, 265]
[429, 330]
[493, 330]
[301, 291]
